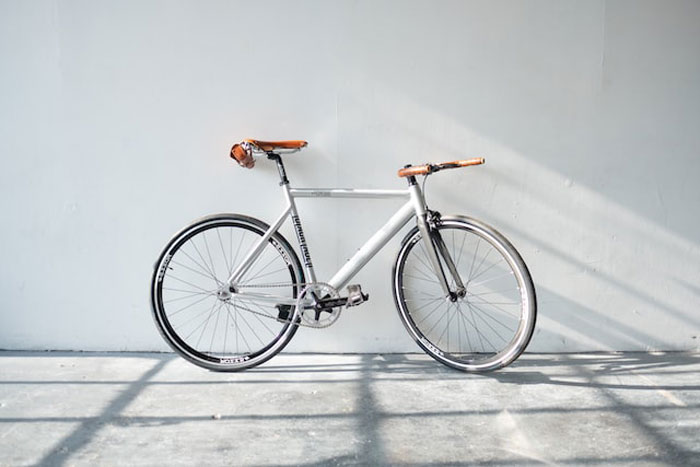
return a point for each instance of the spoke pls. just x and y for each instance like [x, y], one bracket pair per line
[510, 289]
[265, 325]
[447, 327]
[421, 299]
[493, 304]
[427, 276]
[487, 269]
[425, 254]
[208, 272]
[264, 275]
[260, 271]
[188, 321]
[476, 250]
[472, 322]
[238, 329]
[428, 315]
[209, 311]
[421, 292]
[464, 239]
[190, 305]
[509, 314]
[238, 250]
[428, 269]
[260, 309]
[193, 270]
[216, 326]
[211, 261]
[459, 334]
[255, 262]
[206, 266]
[487, 324]
[188, 292]
[464, 326]
[476, 270]
[490, 316]
[509, 273]
[434, 325]
[206, 324]
[250, 327]
[420, 279]
[225, 256]
[479, 333]
[263, 254]
[425, 304]
[230, 250]
[250, 301]
[228, 315]
[235, 323]
[499, 303]
[189, 283]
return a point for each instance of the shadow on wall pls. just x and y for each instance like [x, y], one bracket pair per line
[607, 277]
[586, 122]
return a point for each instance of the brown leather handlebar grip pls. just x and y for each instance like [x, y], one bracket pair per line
[243, 157]
[467, 162]
[428, 168]
[415, 170]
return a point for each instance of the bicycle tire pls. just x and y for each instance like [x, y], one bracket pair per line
[200, 268]
[494, 318]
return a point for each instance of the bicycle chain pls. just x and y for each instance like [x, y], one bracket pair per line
[271, 285]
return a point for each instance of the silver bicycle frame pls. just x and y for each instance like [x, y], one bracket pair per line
[415, 206]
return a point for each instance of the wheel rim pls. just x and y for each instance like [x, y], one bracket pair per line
[203, 323]
[485, 328]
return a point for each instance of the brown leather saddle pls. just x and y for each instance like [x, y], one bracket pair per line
[243, 152]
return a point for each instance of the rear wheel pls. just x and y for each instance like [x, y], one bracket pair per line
[491, 324]
[199, 317]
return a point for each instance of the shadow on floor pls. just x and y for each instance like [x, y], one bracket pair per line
[611, 376]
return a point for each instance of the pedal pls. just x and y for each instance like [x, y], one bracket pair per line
[284, 312]
[355, 295]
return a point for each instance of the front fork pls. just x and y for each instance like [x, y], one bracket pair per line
[428, 226]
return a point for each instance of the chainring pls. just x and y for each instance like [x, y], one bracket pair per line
[310, 313]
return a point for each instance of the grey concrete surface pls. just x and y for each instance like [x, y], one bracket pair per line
[401, 409]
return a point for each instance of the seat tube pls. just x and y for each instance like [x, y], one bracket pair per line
[301, 238]
[424, 228]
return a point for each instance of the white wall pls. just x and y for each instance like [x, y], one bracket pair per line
[116, 119]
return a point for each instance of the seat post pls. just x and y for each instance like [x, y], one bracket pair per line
[280, 167]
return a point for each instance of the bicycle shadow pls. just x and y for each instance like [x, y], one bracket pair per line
[598, 368]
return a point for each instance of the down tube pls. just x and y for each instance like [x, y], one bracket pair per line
[372, 246]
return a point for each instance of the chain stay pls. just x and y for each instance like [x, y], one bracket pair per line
[279, 285]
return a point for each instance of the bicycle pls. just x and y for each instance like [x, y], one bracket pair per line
[228, 292]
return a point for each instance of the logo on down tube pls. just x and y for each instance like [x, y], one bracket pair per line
[302, 241]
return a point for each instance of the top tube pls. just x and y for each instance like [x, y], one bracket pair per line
[347, 193]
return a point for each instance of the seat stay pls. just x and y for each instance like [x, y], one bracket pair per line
[253, 254]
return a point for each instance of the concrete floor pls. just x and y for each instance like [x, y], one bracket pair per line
[156, 409]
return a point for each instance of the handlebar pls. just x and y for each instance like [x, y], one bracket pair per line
[427, 169]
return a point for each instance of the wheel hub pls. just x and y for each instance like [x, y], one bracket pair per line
[224, 294]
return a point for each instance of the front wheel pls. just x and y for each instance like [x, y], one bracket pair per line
[491, 322]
